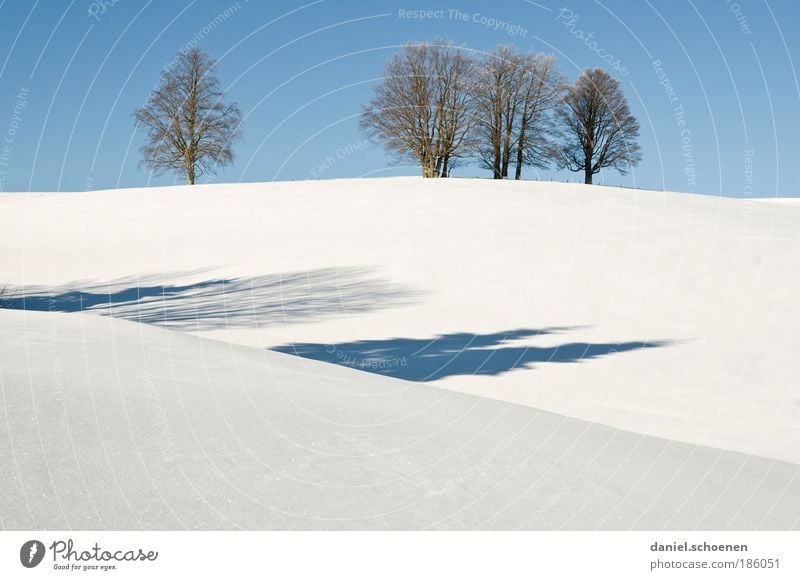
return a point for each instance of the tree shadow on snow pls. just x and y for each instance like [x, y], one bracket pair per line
[448, 355]
[224, 302]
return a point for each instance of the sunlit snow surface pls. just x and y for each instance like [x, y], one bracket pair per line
[399, 353]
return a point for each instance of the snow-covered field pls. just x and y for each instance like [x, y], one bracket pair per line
[472, 354]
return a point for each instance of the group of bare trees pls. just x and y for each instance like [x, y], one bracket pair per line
[437, 104]
[513, 96]
[440, 105]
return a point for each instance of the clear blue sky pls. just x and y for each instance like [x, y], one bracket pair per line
[71, 73]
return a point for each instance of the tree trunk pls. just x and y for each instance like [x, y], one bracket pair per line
[428, 167]
[445, 166]
[587, 175]
[520, 156]
[507, 149]
[190, 173]
[523, 128]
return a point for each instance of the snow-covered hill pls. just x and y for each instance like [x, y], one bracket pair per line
[552, 355]
[113, 425]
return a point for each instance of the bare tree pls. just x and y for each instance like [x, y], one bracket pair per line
[497, 102]
[543, 87]
[598, 128]
[514, 96]
[422, 109]
[189, 128]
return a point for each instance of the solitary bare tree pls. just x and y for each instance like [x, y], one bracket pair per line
[598, 128]
[514, 96]
[189, 128]
[423, 109]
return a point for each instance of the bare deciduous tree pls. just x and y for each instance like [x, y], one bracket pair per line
[423, 109]
[497, 103]
[598, 128]
[189, 127]
[514, 96]
[542, 88]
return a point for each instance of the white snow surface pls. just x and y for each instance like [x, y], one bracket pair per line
[489, 355]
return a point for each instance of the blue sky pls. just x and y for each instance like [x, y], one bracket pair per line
[713, 83]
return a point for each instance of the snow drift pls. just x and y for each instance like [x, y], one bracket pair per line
[451, 354]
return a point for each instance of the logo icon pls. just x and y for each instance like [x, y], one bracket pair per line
[31, 553]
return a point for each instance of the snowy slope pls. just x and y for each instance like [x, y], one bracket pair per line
[600, 309]
[113, 425]
[344, 266]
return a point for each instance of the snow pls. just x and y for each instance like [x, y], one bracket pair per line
[488, 354]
